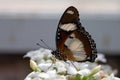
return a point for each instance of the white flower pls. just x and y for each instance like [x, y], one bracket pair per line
[46, 67]
[51, 73]
[84, 72]
[44, 75]
[101, 58]
[37, 55]
[59, 77]
[91, 65]
[71, 70]
[36, 76]
[60, 67]
[111, 77]
[81, 66]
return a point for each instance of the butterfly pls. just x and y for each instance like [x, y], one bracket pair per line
[73, 42]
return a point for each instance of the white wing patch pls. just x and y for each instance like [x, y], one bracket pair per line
[70, 12]
[76, 47]
[68, 27]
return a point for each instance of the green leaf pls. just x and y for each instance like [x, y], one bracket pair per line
[85, 78]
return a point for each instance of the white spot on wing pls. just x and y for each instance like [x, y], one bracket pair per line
[74, 44]
[77, 48]
[70, 12]
[68, 27]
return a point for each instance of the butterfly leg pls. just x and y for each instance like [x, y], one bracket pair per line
[74, 65]
[71, 63]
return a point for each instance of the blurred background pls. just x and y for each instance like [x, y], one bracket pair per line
[24, 22]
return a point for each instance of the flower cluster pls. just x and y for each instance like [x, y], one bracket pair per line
[46, 67]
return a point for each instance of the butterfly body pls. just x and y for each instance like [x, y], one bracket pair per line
[73, 42]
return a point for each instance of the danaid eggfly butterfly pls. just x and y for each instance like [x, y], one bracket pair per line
[73, 42]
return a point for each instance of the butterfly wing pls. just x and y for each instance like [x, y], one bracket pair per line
[72, 40]
[67, 17]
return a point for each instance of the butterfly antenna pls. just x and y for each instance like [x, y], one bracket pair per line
[40, 45]
[45, 44]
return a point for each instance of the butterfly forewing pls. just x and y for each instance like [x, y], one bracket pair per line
[70, 16]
